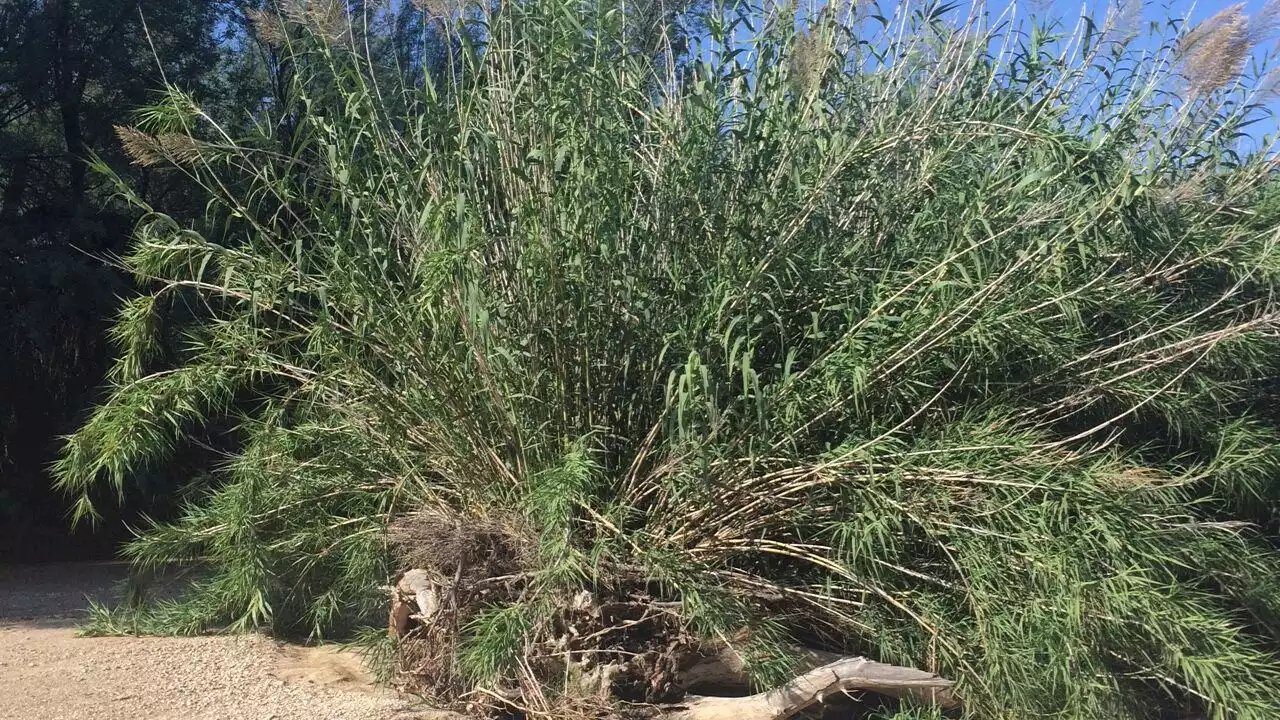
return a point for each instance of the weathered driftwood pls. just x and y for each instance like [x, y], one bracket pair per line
[841, 676]
[415, 597]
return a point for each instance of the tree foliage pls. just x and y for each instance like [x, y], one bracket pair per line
[69, 71]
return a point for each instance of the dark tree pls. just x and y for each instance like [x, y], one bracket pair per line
[70, 70]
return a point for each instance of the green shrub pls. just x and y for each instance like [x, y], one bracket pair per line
[947, 345]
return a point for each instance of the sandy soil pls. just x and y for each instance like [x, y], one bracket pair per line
[47, 673]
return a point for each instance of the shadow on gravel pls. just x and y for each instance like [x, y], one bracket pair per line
[62, 590]
[58, 591]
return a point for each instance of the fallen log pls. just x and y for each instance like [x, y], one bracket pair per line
[845, 675]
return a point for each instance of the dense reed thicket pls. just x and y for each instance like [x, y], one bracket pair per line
[947, 341]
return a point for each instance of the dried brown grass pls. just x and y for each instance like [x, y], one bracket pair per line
[463, 547]
[478, 561]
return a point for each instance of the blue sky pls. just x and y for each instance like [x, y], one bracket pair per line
[1158, 12]
[1154, 12]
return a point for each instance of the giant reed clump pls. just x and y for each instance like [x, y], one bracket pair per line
[949, 345]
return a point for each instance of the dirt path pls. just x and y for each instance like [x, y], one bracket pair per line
[47, 673]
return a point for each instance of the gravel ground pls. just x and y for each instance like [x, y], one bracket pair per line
[47, 673]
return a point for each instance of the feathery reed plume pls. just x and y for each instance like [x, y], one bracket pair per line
[808, 61]
[153, 151]
[267, 26]
[1263, 24]
[1268, 86]
[1122, 22]
[141, 148]
[1213, 53]
[179, 148]
[436, 9]
[326, 18]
